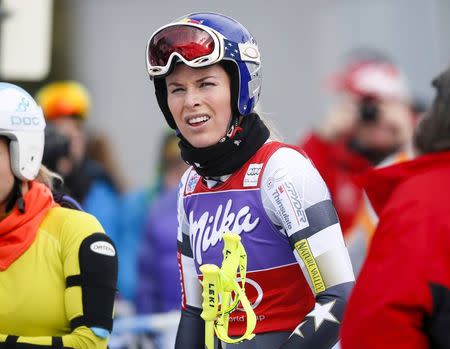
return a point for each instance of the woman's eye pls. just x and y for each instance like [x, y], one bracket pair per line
[175, 90]
[206, 83]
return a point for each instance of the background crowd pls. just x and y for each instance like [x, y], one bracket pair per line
[370, 125]
[371, 115]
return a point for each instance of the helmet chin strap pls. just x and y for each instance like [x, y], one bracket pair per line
[16, 197]
[232, 128]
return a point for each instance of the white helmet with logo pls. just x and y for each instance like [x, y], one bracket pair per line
[22, 121]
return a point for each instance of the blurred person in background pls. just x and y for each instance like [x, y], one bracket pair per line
[402, 296]
[66, 106]
[99, 149]
[359, 235]
[140, 231]
[158, 277]
[57, 156]
[58, 267]
[371, 120]
[206, 72]
[56, 151]
[132, 225]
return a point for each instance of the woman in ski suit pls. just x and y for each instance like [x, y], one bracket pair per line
[206, 72]
[58, 269]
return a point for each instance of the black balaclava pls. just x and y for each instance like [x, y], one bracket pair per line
[231, 152]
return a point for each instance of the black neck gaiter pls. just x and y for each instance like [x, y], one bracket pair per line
[230, 153]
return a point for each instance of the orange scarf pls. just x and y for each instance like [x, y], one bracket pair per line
[18, 230]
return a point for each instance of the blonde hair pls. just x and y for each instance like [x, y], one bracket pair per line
[47, 177]
[266, 118]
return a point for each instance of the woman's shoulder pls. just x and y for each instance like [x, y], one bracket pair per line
[69, 223]
[290, 165]
[66, 213]
[188, 180]
[288, 156]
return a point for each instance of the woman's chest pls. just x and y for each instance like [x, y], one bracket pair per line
[32, 291]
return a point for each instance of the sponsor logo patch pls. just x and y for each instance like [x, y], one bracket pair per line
[252, 175]
[300, 213]
[207, 230]
[104, 248]
[305, 253]
[192, 182]
[287, 202]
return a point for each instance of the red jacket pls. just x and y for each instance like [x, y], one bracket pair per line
[338, 166]
[402, 296]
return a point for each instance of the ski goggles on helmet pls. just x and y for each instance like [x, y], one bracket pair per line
[195, 45]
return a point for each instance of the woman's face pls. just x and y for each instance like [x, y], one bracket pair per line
[393, 127]
[72, 129]
[6, 175]
[199, 100]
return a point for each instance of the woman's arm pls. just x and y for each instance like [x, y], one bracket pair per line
[89, 265]
[309, 221]
[191, 330]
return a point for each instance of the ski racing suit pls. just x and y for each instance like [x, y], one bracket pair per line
[60, 292]
[299, 273]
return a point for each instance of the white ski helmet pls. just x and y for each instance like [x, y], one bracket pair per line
[22, 121]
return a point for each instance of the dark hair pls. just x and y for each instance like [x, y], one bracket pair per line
[433, 132]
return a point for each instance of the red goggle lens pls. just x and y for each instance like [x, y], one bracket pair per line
[188, 41]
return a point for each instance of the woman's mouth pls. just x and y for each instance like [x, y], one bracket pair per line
[198, 120]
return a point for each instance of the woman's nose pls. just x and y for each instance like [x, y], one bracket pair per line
[192, 98]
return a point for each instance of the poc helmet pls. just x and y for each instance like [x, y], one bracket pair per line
[23, 123]
[203, 39]
[64, 98]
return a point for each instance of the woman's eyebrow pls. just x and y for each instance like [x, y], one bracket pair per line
[206, 77]
[174, 83]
